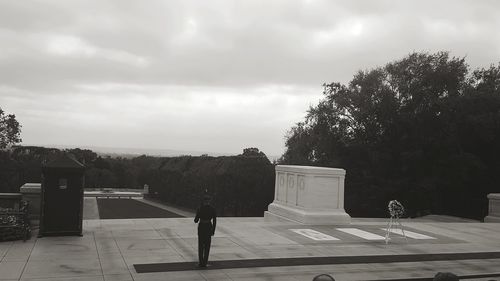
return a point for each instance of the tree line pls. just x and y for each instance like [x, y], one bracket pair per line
[241, 185]
[424, 129]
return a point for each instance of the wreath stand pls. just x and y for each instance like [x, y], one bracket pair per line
[396, 210]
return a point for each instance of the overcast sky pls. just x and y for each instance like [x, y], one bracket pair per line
[215, 76]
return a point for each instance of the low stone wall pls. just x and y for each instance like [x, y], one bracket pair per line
[10, 200]
[31, 192]
[493, 208]
[309, 195]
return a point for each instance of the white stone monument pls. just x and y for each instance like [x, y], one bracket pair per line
[309, 195]
[493, 208]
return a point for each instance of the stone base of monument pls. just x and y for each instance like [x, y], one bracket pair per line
[279, 212]
[491, 219]
[309, 195]
[493, 208]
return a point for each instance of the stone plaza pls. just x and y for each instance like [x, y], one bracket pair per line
[306, 232]
[109, 249]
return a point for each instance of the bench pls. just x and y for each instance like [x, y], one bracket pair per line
[15, 224]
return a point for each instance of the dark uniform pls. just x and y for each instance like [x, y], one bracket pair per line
[205, 215]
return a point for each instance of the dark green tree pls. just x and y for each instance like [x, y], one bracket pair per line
[10, 130]
[423, 129]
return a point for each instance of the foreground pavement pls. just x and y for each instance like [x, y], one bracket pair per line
[109, 249]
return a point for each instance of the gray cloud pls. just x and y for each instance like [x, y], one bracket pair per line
[174, 52]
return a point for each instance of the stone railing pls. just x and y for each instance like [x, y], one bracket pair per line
[493, 208]
[31, 193]
[113, 194]
[309, 195]
[10, 200]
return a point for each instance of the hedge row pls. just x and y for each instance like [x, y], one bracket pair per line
[240, 185]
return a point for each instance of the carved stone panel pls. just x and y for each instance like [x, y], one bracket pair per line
[281, 187]
[301, 190]
[291, 197]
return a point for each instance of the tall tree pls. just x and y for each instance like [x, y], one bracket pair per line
[9, 135]
[423, 129]
[10, 130]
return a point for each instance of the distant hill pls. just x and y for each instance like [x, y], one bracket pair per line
[128, 152]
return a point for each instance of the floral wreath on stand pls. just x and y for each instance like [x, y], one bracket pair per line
[396, 209]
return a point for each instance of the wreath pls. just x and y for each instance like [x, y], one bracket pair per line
[396, 209]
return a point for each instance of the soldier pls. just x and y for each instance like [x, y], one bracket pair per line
[445, 276]
[205, 214]
[323, 277]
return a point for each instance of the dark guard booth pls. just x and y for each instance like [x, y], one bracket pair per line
[62, 197]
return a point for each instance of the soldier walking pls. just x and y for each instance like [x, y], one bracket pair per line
[206, 229]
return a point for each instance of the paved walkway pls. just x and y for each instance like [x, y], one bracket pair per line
[91, 209]
[110, 248]
[130, 209]
[164, 206]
